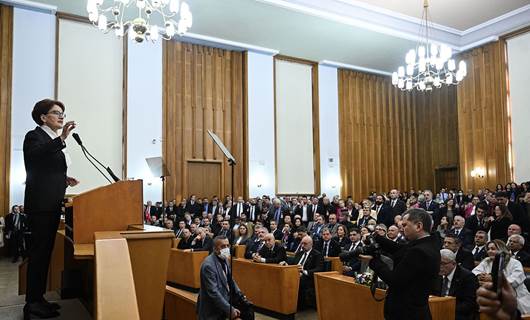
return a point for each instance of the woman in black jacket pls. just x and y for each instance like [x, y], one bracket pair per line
[500, 223]
[46, 181]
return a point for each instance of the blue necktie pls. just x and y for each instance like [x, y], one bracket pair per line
[277, 216]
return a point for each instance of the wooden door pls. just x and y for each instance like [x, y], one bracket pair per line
[446, 178]
[204, 178]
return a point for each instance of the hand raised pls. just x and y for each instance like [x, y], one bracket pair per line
[67, 128]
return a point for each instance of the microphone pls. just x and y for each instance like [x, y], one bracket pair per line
[77, 138]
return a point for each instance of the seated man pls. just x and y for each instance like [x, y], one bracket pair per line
[463, 234]
[225, 230]
[308, 261]
[254, 245]
[202, 241]
[350, 261]
[328, 246]
[394, 234]
[179, 232]
[479, 251]
[185, 241]
[515, 244]
[460, 283]
[270, 252]
[463, 257]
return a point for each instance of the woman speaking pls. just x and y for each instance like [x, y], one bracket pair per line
[46, 163]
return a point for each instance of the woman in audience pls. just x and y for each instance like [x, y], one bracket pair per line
[364, 231]
[450, 209]
[287, 221]
[445, 226]
[500, 222]
[297, 223]
[243, 235]
[513, 272]
[499, 188]
[342, 237]
[412, 202]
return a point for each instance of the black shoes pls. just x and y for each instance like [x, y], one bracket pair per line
[41, 310]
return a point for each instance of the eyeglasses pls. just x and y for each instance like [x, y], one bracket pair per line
[58, 114]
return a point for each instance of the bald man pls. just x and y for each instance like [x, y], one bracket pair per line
[270, 252]
[308, 261]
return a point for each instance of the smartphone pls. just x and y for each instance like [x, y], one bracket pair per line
[496, 273]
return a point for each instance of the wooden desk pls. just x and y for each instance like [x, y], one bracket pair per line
[268, 286]
[358, 297]
[239, 251]
[180, 304]
[336, 264]
[184, 268]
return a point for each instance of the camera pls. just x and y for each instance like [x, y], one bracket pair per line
[370, 248]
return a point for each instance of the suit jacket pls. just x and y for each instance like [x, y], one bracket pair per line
[523, 257]
[185, 244]
[465, 259]
[416, 267]
[272, 212]
[480, 254]
[213, 301]
[227, 233]
[310, 214]
[278, 235]
[519, 216]
[257, 212]
[215, 211]
[244, 209]
[276, 255]
[463, 287]
[253, 246]
[385, 215]
[435, 208]
[474, 224]
[399, 207]
[344, 243]
[194, 209]
[45, 172]
[334, 248]
[313, 263]
[205, 245]
[465, 236]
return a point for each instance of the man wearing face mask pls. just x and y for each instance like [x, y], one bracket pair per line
[217, 285]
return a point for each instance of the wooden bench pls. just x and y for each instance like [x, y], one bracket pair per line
[269, 286]
[239, 251]
[358, 297]
[180, 304]
[184, 268]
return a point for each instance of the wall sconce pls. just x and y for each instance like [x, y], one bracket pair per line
[478, 173]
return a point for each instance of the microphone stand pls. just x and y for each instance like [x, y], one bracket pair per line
[85, 153]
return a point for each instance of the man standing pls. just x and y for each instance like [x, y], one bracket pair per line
[217, 285]
[397, 205]
[416, 264]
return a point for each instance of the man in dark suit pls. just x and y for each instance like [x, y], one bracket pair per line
[253, 211]
[216, 285]
[518, 214]
[458, 282]
[239, 208]
[14, 233]
[276, 212]
[185, 240]
[255, 243]
[225, 230]
[46, 181]
[515, 244]
[416, 265]
[385, 214]
[328, 246]
[479, 250]
[464, 235]
[463, 256]
[477, 221]
[193, 207]
[308, 261]
[431, 207]
[277, 233]
[270, 252]
[214, 208]
[314, 207]
[397, 205]
[350, 261]
[202, 242]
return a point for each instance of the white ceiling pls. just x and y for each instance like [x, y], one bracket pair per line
[344, 31]
[458, 14]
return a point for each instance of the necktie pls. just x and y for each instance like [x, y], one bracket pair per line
[252, 213]
[445, 286]
[378, 208]
[277, 215]
[326, 250]
[427, 205]
[314, 210]
[475, 251]
[393, 203]
[239, 209]
[457, 232]
[303, 259]
[352, 247]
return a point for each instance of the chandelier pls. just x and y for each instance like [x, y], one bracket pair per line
[140, 27]
[429, 65]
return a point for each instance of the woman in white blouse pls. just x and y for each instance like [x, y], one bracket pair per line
[513, 272]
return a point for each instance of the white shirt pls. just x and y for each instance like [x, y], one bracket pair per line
[54, 135]
[304, 213]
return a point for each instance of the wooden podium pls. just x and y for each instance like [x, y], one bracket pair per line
[120, 264]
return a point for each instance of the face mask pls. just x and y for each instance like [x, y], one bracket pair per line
[225, 253]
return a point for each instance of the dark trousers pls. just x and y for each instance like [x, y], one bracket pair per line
[43, 227]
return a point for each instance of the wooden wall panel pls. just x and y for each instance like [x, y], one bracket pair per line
[6, 66]
[393, 139]
[203, 90]
[483, 117]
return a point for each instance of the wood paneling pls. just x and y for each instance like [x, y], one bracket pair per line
[6, 66]
[483, 117]
[204, 178]
[203, 90]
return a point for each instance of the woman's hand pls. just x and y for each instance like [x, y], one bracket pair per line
[72, 182]
[67, 128]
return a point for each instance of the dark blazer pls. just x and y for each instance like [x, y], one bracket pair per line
[465, 259]
[194, 209]
[435, 208]
[344, 243]
[45, 172]
[257, 213]
[416, 267]
[278, 235]
[227, 233]
[399, 207]
[314, 262]
[385, 215]
[463, 287]
[523, 257]
[253, 246]
[519, 216]
[213, 301]
[479, 255]
[310, 215]
[334, 248]
[276, 255]
[244, 209]
[185, 244]
[205, 245]
[499, 229]
[465, 236]
[213, 211]
[474, 225]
